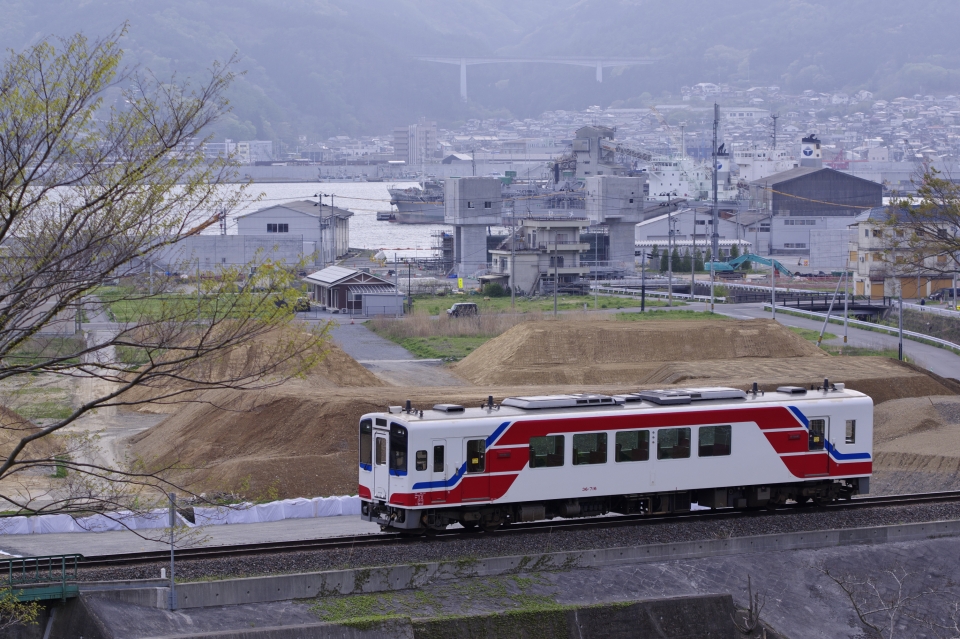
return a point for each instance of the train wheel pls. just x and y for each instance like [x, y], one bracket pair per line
[469, 525]
[490, 526]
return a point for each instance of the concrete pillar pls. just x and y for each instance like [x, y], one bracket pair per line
[463, 79]
[471, 249]
[599, 71]
[623, 243]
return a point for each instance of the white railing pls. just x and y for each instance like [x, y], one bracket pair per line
[632, 292]
[834, 318]
[946, 312]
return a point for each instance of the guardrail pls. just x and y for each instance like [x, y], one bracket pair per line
[917, 337]
[41, 570]
[946, 312]
[610, 290]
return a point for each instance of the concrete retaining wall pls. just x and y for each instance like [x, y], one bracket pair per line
[387, 578]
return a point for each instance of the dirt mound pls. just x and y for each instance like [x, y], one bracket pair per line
[276, 443]
[335, 370]
[14, 427]
[593, 352]
[917, 444]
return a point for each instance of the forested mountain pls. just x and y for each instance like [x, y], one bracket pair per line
[325, 67]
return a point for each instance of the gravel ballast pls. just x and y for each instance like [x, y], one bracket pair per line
[500, 544]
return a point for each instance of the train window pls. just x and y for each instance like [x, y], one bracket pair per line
[421, 460]
[673, 443]
[590, 448]
[398, 449]
[818, 431]
[546, 452]
[381, 451]
[851, 432]
[366, 443]
[438, 459]
[476, 453]
[714, 441]
[633, 445]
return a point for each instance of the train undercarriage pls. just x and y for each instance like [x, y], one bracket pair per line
[490, 517]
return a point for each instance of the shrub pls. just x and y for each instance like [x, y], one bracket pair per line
[494, 289]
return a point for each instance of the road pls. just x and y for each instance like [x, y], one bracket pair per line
[937, 360]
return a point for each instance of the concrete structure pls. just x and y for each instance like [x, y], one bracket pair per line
[595, 63]
[546, 246]
[616, 202]
[353, 292]
[882, 260]
[415, 144]
[471, 204]
[217, 252]
[253, 151]
[811, 155]
[803, 201]
[324, 230]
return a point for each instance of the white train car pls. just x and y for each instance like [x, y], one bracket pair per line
[532, 458]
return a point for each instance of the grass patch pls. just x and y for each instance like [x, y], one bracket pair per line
[854, 351]
[810, 334]
[44, 349]
[669, 315]
[438, 304]
[45, 410]
[438, 347]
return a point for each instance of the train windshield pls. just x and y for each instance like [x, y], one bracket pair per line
[366, 443]
[398, 449]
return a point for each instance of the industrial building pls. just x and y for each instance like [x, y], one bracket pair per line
[692, 231]
[288, 233]
[323, 229]
[471, 205]
[353, 292]
[810, 208]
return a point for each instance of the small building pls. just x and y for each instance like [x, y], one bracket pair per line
[325, 230]
[353, 292]
[883, 263]
[548, 249]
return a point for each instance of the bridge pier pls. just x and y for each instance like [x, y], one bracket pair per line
[463, 79]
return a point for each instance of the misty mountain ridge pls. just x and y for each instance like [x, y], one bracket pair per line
[318, 68]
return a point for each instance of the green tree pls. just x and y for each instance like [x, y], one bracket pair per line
[923, 233]
[89, 192]
[675, 260]
[698, 260]
[685, 262]
[734, 251]
[664, 264]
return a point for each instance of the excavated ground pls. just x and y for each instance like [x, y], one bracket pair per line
[299, 439]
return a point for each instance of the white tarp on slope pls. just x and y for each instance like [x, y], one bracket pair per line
[246, 513]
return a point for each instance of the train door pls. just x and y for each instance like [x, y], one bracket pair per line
[476, 481]
[381, 474]
[439, 474]
[816, 442]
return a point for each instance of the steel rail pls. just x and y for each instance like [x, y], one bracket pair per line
[360, 541]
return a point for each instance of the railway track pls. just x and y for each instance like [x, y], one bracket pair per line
[361, 541]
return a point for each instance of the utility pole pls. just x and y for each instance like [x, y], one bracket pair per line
[473, 161]
[846, 297]
[670, 258]
[773, 272]
[409, 294]
[715, 249]
[643, 281]
[693, 257]
[900, 319]
[513, 258]
[173, 523]
[556, 280]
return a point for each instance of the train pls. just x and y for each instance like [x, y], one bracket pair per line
[531, 458]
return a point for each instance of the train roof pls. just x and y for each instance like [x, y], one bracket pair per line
[575, 403]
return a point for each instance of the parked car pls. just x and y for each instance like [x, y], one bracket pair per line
[463, 309]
